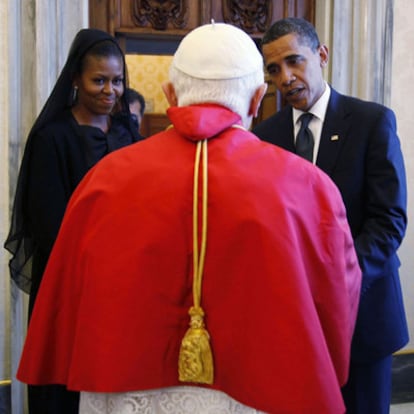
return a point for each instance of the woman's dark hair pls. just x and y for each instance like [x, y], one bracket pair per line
[106, 48]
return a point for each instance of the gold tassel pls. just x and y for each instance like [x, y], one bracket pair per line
[195, 363]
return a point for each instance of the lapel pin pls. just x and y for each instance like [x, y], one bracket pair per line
[334, 137]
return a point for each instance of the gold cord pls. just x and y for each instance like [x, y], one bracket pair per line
[195, 362]
[199, 256]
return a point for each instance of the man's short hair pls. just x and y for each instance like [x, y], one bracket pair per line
[132, 96]
[302, 28]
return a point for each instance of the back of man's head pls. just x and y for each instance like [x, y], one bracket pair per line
[217, 63]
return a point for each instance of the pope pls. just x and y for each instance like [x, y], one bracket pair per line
[201, 269]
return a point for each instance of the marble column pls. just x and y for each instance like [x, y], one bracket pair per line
[5, 343]
[359, 36]
[35, 36]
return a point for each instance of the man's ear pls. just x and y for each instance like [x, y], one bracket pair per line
[324, 55]
[169, 93]
[257, 99]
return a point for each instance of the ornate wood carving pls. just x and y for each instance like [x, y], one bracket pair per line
[251, 16]
[160, 13]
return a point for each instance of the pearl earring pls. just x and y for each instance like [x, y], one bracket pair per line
[74, 94]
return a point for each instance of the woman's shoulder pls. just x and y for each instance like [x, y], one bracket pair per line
[62, 124]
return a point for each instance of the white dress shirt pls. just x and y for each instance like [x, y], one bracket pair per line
[318, 110]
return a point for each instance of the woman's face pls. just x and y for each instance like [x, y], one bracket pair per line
[100, 85]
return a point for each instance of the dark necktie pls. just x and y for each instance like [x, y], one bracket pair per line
[304, 139]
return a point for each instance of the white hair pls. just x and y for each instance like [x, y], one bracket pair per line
[235, 94]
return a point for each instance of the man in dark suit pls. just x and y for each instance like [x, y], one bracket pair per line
[356, 144]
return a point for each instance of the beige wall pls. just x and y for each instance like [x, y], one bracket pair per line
[389, 81]
[4, 199]
[402, 101]
[146, 74]
[34, 40]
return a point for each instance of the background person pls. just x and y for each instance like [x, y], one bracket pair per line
[356, 144]
[136, 103]
[201, 285]
[74, 130]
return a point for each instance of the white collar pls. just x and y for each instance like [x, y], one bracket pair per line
[318, 109]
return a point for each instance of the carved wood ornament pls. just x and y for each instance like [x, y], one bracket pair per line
[248, 15]
[160, 13]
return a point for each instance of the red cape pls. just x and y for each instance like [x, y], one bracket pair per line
[280, 287]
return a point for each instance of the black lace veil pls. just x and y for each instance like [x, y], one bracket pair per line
[20, 242]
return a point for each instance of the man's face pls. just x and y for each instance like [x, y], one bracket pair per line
[296, 70]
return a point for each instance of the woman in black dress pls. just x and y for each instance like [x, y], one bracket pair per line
[85, 117]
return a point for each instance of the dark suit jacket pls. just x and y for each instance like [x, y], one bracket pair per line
[366, 163]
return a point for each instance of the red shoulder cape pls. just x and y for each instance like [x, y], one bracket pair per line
[280, 287]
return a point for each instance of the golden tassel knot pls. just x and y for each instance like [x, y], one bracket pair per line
[195, 362]
[197, 317]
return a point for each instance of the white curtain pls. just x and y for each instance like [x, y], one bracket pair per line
[359, 36]
[34, 37]
[4, 202]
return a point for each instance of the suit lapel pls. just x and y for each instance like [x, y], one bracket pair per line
[334, 133]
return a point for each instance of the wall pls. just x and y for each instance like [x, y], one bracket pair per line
[402, 101]
[146, 74]
[372, 59]
[35, 36]
[4, 186]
